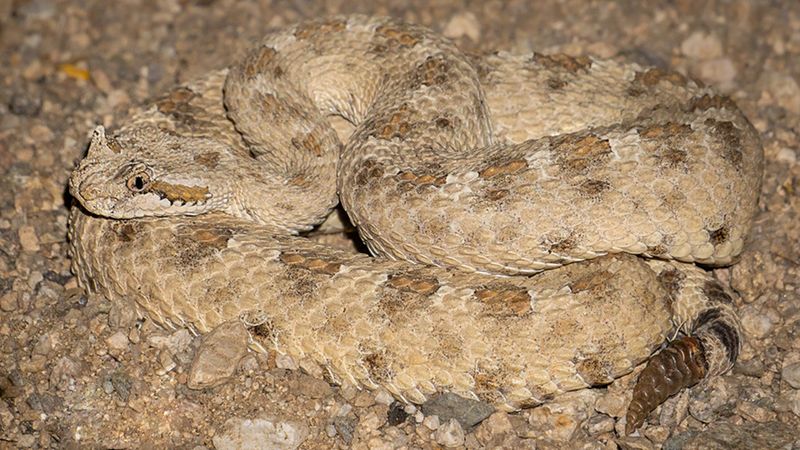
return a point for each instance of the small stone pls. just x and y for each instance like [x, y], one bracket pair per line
[285, 362]
[345, 426]
[721, 72]
[166, 360]
[612, 404]
[371, 421]
[448, 406]
[28, 238]
[260, 433]
[599, 424]
[176, 342]
[700, 45]
[791, 374]
[786, 155]
[311, 387]
[27, 103]
[495, 425]
[755, 412]
[450, 434]
[383, 397]
[554, 425]
[755, 323]
[463, 24]
[397, 414]
[101, 80]
[784, 90]
[117, 342]
[714, 398]
[8, 301]
[218, 356]
[364, 399]
[431, 422]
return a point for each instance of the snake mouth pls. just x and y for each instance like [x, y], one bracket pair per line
[178, 194]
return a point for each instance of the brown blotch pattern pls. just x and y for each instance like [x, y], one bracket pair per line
[592, 282]
[578, 153]
[497, 194]
[672, 280]
[432, 72]
[257, 61]
[504, 168]
[571, 64]
[398, 125]
[504, 300]
[425, 178]
[593, 188]
[563, 245]
[714, 291]
[209, 160]
[309, 143]
[177, 104]
[378, 366]
[413, 283]
[215, 237]
[556, 83]
[593, 371]
[668, 129]
[127, 231]
[707, 101]
[653, 76]
[369, 170]
[114, 145]
[719, 235]
[312, 263]
[395, 37]
[310, 29]
[730, 140]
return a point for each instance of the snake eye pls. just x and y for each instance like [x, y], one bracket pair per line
[138, 182]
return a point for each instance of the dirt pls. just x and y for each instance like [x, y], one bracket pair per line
[79, 372]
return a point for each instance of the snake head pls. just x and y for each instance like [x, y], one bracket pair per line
[144, 173]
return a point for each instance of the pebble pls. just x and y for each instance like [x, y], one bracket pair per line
[612, 404]
[285, 362]
[450, 434]
[260, 434]
[431, 422]
[27, 103]
[791, 374]
[463, 24]
[707, 404]
[784, 90]
[218, 356]
[311, 387]
[28, 238]
[118, 341]
[494, 426]
[599, 424]
[755, 323]
[700, 45]
[720, 72]
[8, 301]
[754, 412]
[448, 406]
[176, 342]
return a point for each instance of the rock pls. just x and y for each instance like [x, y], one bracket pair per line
[8, 301]
[707, 404]
[599, 424]
[28, 238]
[451, 406]
[285, 362]
[463, 24]
[791, 374]
[118, 342]
[727, 435]
[494, 427]
[218, 356]
[260, 433]
[384, 398]
[311, 387]
[784, 90]
[397, 414]
[552, 424]
[613, 404]
[431, 422]
[755, 323]
[700, 45]
[450, 434]
[755, 412]
[374, 418]
[176, 342]
[26, 103]
[345, 426]
[721, 72]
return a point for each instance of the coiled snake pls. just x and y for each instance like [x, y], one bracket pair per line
[466, 176]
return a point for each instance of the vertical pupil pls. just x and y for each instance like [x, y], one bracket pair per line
[138, 182]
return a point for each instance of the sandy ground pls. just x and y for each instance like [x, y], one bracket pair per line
[79, 372]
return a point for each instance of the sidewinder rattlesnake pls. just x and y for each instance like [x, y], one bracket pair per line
[466, 176]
